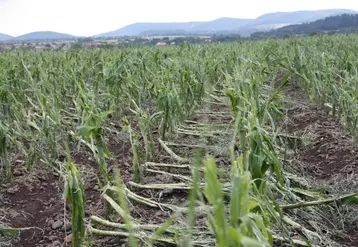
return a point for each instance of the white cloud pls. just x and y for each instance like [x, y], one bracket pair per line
[88, 17]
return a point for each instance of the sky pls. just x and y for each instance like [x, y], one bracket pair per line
[90, 17]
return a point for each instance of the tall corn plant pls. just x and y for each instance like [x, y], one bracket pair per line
[92, 131]
[169, 104]
[146, 124]
[250, 112]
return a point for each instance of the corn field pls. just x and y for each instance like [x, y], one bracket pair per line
[205, 121]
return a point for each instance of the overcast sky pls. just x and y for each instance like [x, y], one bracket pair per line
[89, 17]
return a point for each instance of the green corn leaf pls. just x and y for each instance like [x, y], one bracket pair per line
[250, 242]
[86, 131]
[214, 194]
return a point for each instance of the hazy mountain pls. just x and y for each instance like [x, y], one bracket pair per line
[298, 16]
[341, 23]
[185, 28]
[45, 35]
[138, 28]
[4, 37]
[234, 25]
[148, 28]
[265, 22]
[222, 24]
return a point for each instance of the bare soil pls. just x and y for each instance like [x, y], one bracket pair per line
[330, 156]
[332, 150]
[33, 200]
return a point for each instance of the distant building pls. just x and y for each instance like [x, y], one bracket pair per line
[6, 47]
[92, 44]
[161, 44]
[40, 47]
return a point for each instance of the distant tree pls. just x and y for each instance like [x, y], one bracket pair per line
[87, 39]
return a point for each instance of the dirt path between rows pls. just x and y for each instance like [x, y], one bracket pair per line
[329, 156]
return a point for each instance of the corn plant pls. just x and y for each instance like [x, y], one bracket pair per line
[93, 132]
[244, 228]
[250, 111]
[46, 96]
[146, 123]
[136, 151]
[4, 154]
[74, 194]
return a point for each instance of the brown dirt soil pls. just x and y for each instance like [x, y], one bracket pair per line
[354, 238]
[331, 152]
[33, 200]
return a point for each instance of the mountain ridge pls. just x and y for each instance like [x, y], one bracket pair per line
[224, 25]
[340, 23]
[4, 36]
[44, 35]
